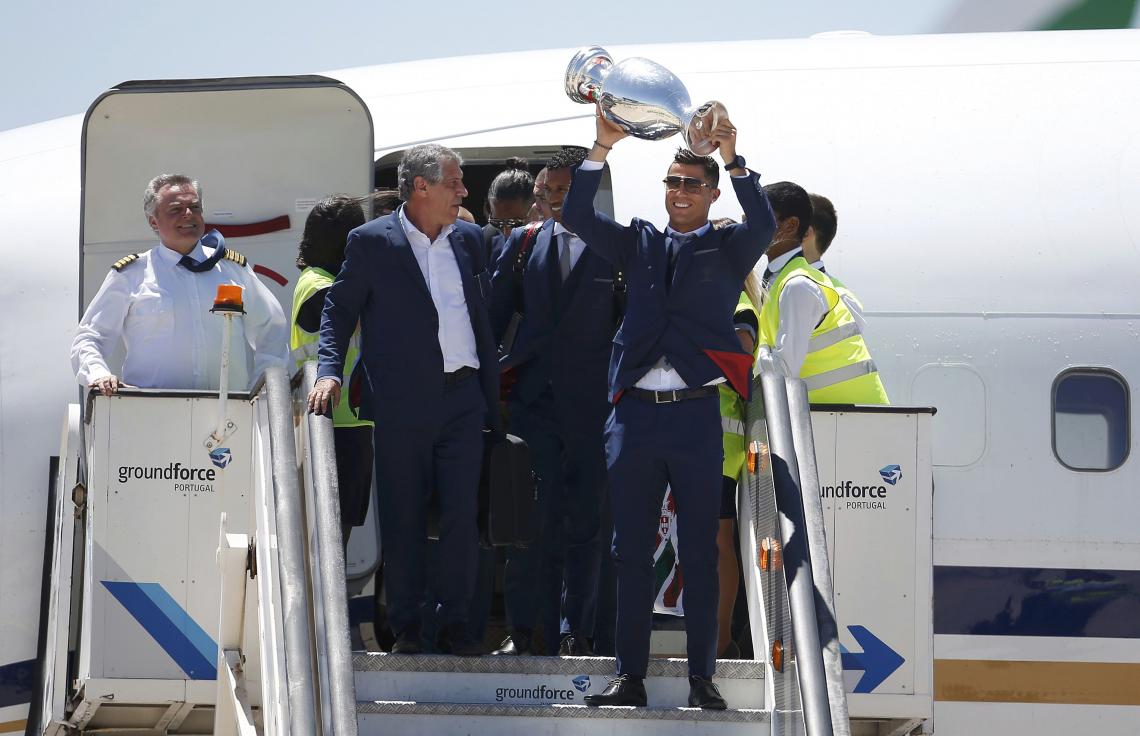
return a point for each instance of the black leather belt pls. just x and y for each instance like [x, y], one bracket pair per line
[668, 397]
[450, 379]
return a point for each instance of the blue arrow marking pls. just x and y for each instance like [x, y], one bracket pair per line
[877, 660]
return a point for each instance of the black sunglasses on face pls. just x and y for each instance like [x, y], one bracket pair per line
[690, 185]
[502, 223]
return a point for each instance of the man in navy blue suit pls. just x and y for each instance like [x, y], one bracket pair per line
[417, 282]
[675, 345]
[563, 301]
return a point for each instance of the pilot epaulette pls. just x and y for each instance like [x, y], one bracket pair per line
[236, 257]
[125, 261]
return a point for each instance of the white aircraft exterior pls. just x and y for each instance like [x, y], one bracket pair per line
[986, 188]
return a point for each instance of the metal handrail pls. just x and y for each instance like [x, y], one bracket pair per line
[796, 557]
[799, 412]
[321, 456]
[295, 589]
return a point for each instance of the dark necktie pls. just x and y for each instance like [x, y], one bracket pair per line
[676, 241]
[219, 253]
[767, 278]
[565, 263]
[190, 264]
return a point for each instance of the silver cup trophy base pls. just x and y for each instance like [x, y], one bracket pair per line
[585, 72]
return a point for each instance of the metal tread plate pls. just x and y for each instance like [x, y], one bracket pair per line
[403, 707]
[726, 669]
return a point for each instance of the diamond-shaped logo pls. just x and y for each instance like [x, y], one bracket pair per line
[221, 456]
[582, 682]
[891, 474]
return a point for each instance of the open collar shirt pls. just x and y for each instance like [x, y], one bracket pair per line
[437, 263]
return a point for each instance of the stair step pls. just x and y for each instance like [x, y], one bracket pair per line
[403, 717]
[539, 681]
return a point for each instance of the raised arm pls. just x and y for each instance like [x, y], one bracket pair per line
[746, 242]
[600, 232]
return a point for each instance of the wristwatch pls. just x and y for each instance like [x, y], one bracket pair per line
[736, 163]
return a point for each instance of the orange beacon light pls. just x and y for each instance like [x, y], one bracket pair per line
[228, 299]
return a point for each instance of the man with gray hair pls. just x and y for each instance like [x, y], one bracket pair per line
[416, 280]
[157, 303]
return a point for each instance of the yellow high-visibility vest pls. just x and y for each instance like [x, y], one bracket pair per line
[304, 344]
[838, 368]
[732, 411]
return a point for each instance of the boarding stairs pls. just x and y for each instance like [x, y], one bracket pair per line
[280, 641]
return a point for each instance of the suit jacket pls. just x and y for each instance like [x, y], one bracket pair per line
[381, 285]
[565, 338]
[690, 321]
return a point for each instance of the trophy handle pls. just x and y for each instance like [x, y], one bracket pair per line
[586, 72]
[701, 125]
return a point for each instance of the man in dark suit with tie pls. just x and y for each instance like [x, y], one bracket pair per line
[417, 282]
[675, 345]
[564, 303]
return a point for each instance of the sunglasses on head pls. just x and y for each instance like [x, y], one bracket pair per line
[502, 223]
[688, 183]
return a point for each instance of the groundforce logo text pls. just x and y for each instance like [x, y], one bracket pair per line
[541, 693]
[186, 477]
[856, 497]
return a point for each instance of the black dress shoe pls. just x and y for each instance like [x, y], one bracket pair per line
[408, 642]
[574, 645]
[703, 693]
[452, 639]
[622, 690]
[516, 643]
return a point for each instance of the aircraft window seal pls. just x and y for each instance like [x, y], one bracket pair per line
[1091, 419]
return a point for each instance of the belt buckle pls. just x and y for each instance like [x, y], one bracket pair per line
[672, 397]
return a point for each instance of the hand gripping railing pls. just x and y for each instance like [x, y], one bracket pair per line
[797, 559]
[340, 710]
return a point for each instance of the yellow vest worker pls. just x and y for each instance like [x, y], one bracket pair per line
[304, 344]
[732, 411]
[837, 366]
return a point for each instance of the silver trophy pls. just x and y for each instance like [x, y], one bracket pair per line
[643, 97]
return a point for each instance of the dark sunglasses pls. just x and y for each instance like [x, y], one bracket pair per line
[690, 185]
[505, 223]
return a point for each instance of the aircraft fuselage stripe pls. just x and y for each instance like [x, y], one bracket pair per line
[1068, 683]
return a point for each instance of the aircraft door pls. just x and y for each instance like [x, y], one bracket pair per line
[265, 150]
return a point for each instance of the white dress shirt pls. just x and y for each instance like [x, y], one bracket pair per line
[850, 301]
[441, 272]
[162, 313]
[577, 245]
[802, 305]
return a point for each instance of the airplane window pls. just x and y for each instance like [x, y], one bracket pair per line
[1091, 419]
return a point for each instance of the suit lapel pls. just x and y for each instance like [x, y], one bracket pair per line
[399, 240]
[544, 260]
[659, 258]
[462, 258]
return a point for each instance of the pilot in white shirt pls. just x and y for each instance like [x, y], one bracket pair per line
[158, 302]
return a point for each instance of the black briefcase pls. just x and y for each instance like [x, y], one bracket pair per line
[508, 492]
